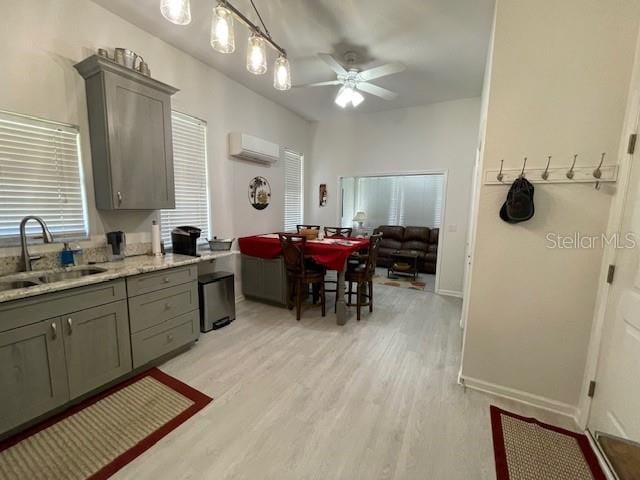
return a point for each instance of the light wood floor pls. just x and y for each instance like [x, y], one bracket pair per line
[303, 400]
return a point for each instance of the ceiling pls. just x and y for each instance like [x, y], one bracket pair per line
[443, 43]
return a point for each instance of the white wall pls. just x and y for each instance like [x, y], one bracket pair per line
[559, 80]
[41, 40]
[440, 136]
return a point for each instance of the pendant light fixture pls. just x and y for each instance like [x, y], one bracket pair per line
[348, 95]
[176, 11]
[223, 37]
[256, 55]
[222, 34]
[282, 74]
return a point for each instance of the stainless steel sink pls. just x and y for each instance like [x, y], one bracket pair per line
[13, 285]
[70, 274]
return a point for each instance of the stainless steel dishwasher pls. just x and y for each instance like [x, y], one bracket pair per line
[217, 300]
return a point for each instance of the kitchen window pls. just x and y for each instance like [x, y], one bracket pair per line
[190, 176]
[293, 190]
[40, 174]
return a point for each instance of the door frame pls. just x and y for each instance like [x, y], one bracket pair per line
[609, 256]
[443, 210]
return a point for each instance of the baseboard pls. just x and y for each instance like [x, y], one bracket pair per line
[449, 293]
[530, 399]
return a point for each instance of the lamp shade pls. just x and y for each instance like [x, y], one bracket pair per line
[360, 217]
[222, 34]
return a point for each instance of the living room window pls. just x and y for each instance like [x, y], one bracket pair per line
[190, 176]
[40, 174]
[394, 200]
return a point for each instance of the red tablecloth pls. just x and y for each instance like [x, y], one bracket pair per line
[324, 252]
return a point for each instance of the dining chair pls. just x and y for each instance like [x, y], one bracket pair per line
[337, 232]
[301, 272]
[362, 275]
[300, 228]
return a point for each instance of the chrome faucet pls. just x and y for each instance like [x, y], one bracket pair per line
[46, 236]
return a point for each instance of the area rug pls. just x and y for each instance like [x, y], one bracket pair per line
[401, 282]
[527, 449]
[102, 434]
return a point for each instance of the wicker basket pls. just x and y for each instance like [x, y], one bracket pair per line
[309, 233]
[217, 245]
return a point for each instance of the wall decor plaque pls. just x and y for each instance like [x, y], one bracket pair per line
[259, 193]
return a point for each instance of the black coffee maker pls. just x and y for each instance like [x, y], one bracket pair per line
[184, 240]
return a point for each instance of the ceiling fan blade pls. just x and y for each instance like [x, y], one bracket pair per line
[333, 63]
[381, 71]
[319, 84]
[377, 91]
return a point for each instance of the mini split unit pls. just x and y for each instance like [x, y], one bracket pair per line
[248, 147]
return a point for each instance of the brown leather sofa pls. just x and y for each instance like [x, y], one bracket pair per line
[422, 241]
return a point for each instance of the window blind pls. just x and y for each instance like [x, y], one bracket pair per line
[190, 176]
[401, 200]
[40, 174]
[293, 189]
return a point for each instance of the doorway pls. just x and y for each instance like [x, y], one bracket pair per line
[413, 206]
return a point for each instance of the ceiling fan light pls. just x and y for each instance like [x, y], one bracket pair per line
[176, 11]
[222, 33]
[282, 73]
[256, 55]
[344, 96]
[356, 98]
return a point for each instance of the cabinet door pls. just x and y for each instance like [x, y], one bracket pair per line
[97, 346]
[140, 145]
[274, 280]
[252, 276]
[33, 376]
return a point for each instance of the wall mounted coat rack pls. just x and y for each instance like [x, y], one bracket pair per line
[561, 172]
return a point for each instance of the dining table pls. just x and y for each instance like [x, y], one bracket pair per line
[332, 253]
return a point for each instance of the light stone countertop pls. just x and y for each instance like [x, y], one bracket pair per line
[119, 269]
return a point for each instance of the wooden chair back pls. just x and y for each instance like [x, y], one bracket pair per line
[372, 258]
[337, 232]
[293, 247]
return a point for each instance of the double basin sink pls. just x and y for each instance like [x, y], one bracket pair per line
[44, 277]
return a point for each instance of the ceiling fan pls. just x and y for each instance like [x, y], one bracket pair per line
[354, 81]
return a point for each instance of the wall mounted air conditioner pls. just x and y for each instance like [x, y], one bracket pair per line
[248, 147]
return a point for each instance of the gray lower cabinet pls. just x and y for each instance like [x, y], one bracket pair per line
[264, 279]
[163, 311]
[33, 372]
[97, 346]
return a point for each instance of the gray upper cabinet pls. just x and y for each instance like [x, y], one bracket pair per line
[33, 374]
[131, 140]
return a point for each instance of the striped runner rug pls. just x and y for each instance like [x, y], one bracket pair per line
[102, 434]
[527, 449]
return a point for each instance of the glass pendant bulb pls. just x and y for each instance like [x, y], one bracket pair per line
[282, 74]
[344, 96]
[257, 55]
[176, 11]
[222, 34]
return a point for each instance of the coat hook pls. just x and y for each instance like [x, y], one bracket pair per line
[545, 174]
[500, 175]
[597, 173]
[524, 164]
[570, 173]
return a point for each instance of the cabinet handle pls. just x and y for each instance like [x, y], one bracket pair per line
[54, 330]
[167, 306]
[70, 324]
[119, 194]
[169, 338]
[167, 279]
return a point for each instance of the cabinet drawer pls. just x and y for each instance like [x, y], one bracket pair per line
[150, 282]
[157, 307]
[164, 338]
[31, 310]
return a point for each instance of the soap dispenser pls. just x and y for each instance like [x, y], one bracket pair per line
[66, 256]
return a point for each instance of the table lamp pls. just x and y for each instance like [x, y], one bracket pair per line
[360, 218]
